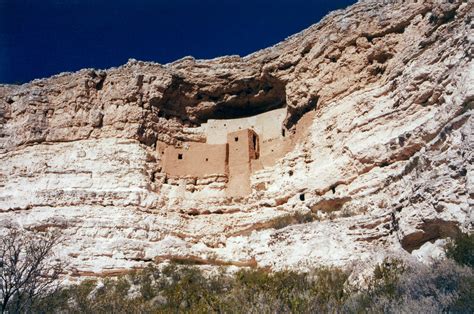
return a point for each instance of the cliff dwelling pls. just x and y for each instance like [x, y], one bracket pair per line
[234, 150]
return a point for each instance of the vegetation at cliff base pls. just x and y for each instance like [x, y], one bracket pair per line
[394, 287]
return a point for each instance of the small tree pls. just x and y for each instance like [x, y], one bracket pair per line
[27, 271]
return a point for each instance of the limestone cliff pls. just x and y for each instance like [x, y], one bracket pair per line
[378, 100]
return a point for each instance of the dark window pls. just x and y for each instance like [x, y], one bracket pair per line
[254, 138]
[283, 132]
[290, 172]
[302, 197]
[236, 139]
[207, 159]
[180, 156]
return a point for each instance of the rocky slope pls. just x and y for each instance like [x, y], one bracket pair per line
[385, 166]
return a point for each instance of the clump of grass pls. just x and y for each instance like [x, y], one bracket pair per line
[292, 219]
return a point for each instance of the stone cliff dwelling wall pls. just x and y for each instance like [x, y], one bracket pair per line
[199, 160]
[273, 149]
[268, 125]
[195, 159]
[243, 147]
[234, 148]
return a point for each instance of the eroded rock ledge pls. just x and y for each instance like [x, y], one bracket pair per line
[378, 99]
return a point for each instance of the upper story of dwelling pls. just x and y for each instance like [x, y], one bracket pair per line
[268, 126]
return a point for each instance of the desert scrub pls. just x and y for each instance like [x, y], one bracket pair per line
[443, 287]
[186, 289]
[461, 249]
[395, 287]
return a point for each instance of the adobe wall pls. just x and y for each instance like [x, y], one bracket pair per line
[272, 150]
[267, 125]
[243, 147]
[235, 161]
[195, 159]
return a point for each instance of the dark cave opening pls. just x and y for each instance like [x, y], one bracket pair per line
[192, 104]
[237, 99]
[226, 111]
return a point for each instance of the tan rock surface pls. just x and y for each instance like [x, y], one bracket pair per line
[385, 160]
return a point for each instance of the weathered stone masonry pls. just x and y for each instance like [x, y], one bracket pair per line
[232, 159]
[231, 149]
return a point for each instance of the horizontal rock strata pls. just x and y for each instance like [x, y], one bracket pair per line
[383, 164]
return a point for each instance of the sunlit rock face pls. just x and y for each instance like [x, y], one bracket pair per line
[375, 157]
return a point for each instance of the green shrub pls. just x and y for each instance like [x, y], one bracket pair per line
[387, 275]
[382, 287]
[461, 250]
[188, 290]
[261, 291]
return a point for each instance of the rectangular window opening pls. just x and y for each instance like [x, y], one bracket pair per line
[180, 156]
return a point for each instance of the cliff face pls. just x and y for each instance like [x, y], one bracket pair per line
[379, 101]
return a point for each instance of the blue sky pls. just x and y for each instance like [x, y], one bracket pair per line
[39, 38]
